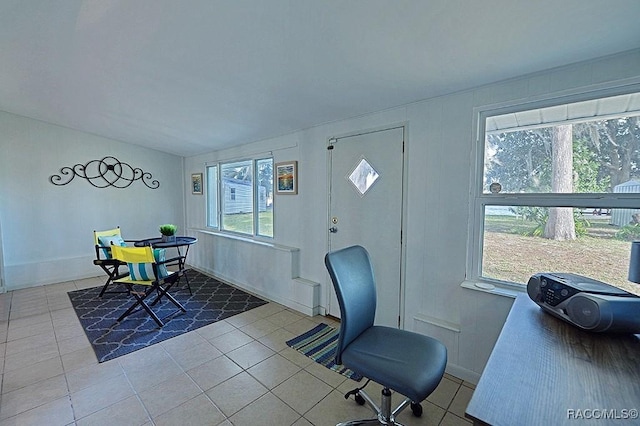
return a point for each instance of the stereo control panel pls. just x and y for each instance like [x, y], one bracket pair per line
[553, 292]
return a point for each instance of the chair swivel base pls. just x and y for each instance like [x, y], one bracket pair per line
[384, 414]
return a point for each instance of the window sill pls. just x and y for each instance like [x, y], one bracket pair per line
[491, 288]
[251, 240]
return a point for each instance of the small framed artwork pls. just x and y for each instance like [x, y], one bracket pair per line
[196, 183]
[287, 177]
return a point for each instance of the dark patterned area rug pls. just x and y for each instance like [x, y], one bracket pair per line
[211, 301]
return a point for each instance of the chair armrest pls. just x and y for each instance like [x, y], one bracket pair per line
[99, 249]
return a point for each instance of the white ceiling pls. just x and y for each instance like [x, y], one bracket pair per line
[194, 76]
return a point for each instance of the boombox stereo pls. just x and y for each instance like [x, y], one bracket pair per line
[586, 303]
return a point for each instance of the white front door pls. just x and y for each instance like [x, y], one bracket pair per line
[365, 208]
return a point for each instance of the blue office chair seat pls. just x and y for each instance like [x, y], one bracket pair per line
[402, 361]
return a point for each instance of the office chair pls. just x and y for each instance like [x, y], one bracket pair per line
[103, 240]
[147, 267]
[408, 363]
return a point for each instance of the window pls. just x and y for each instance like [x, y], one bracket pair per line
[560, 191]
[238, 202]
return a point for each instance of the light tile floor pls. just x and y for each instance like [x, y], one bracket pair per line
[234, 372]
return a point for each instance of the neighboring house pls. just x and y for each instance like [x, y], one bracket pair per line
[238, 196]
[622, 217]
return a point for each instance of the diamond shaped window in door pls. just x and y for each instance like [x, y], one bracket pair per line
[363, 176]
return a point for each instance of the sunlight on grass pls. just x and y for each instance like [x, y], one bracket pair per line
[509, 255]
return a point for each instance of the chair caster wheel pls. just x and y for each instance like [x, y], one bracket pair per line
[360, 400]
[417, 409]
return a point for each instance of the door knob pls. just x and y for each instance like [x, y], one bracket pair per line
[333, 229]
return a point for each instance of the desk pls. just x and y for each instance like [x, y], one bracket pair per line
[178, 243]
[544, 371]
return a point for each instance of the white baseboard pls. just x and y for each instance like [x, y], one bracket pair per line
[463, 373]
[35, 274]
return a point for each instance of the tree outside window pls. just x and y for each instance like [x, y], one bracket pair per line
[561, 178]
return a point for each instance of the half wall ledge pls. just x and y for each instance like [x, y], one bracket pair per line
[268, 270]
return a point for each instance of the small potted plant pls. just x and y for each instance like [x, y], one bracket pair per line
[168, 232]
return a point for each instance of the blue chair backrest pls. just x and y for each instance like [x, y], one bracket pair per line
[352, 276]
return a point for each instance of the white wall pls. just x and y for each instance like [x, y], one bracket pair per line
[440, 142]
[47, 230]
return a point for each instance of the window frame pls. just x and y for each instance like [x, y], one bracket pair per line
[256, 198]
[479, 199]
[218, 165]
[210, 186]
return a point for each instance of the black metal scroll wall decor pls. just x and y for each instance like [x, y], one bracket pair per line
[105, 173]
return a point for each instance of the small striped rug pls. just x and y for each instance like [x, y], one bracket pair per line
[319, 344]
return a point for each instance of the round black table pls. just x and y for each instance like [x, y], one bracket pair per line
[159, 243]
[178, 242]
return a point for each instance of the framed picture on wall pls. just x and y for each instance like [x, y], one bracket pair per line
[196, 183]
[286, 177]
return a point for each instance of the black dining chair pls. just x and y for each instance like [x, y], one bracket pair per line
[147, 270]
[408, 363]
[115, 269]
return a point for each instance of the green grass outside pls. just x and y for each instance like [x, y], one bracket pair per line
[243, 223]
